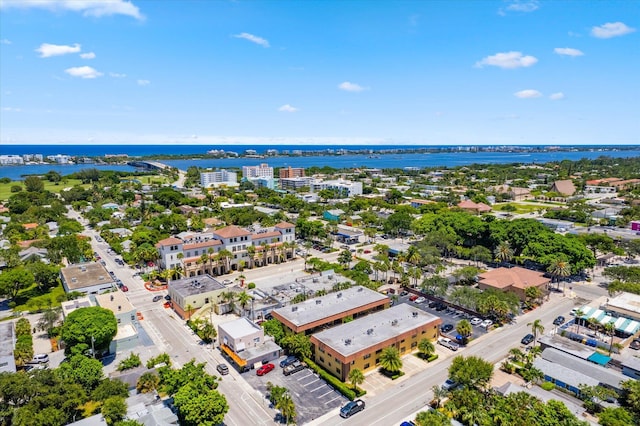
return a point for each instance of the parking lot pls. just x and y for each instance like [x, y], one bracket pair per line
[313, 397]
[448, 316]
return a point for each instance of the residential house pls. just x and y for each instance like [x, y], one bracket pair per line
[246, 344]
[475, 208]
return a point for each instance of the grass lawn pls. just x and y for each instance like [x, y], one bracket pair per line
[30, 299]
[519, 208]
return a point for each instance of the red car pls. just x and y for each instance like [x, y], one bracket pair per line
[265, 369]
[413, 297]
[124, 288]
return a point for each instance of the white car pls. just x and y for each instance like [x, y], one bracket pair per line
[420, 300]
[448, 343]
[476, 321]
[486, 323]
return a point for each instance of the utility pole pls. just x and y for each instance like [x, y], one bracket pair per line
[93, 351]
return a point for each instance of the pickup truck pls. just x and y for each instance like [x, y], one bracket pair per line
[293, 368]
[448, 343]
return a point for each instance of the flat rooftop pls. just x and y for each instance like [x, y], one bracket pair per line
[116, 302]
[318, 308]
[355, 336]
[239, 328]
[6, 338]
[71, 305]
[627, 301]
[83, 275]
[195, 285]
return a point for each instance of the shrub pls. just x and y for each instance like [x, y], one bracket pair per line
[547, 386]
[332, 380]
[160, 359]
[432, 357]
[131, 362]
[251, 286]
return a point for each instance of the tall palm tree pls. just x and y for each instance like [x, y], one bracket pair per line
[516, 354]
[610, 330]
[390, 359]
[579, 315]
[210, 253]
[536, 328]
[559, 268]
[229, 297]
[204, 258]
[464, 329]
[287, 408]
[439, 393]
[504, 252]
[426, 348]
[251, 252]
[356, 378]
[225, 256]
[243, 299]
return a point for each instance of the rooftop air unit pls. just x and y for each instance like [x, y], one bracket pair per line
[294, 308]
[415, 314]
[370, 331]
[394, 322]
[339, 294]
[318, 302]
[347, 342]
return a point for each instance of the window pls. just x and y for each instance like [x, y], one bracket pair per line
[321, 359]
[321, 349]
[256, 340]
[402, 341]
[377, 352]
[414, 344]
[414, 336]
[377, 361]
[367, 356]
[367, 365]
[423, 332]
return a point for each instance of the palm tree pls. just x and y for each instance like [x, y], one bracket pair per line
[189, 308]
[516, 354]
[426, 348]
[243, 299]
[464, 329]
[229, 297]
[504, 252]
[225, 256]
[579, 315]
[559, 268]
[251, 252]
[610, 329]
[439, 393]
[390, 359]
[536, 328]
[210, 252]
[356, 378]
[204, 258]
[287, 408]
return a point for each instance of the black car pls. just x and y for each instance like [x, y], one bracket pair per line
[446, 328]
[288, 361]
[352, 408]
[441, 307]
[559, 320]
[157, 298]
[635, 344]
[527, 339]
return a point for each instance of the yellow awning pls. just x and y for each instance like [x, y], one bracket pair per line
[241, 362]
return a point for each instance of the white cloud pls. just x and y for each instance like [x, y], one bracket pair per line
[523, 6]
[97, 8]
[527, 94]
[287, 108]
[611, 29]
[5, 41]
[254, 39]
[11, 109]
[568, 51]
[47, 50]
[556, 96]
[117, 75]
[83, 72]
[507, 60]
[143, 82]
[89, 55]
[347, 86]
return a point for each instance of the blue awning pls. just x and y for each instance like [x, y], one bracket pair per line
[598, 358]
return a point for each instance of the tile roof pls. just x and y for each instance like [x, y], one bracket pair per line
[513, 277]
[285, 225]
[202, 244]
[168, 242]
[231, 231]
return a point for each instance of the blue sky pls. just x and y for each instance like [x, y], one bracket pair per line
[305, 72]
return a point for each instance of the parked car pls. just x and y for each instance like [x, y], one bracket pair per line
[403, 293]
[413, 297]
[40, 359]
[559, 320]
[527, 339]
[124, 288]
[293, 368]
[265, 369]
[635, 344]
[352, 408]
[449, 385]
[420, 299]
[446, 328]
[440, 307]
[288, 361]
[486, 323]
[157, 298]
[223, 369]
[448, 343]
[476, 321]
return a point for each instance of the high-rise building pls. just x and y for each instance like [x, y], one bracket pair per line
[218, 178]
[263, 170]
[291, 172]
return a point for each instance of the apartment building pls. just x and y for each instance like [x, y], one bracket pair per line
[291, 172]
[221, 251]
[218, 178]
[346, 187]
[262, 170]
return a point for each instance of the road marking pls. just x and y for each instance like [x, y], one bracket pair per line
[331, 400]
[326, 393]
[304, 377]
[306, 384]
[319, 387]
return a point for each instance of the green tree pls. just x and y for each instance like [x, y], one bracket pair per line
[426, 348]
[615, 416]
[108, 388]
[244, 298]
[344, 258]
[503, 252]
[132, 361]
[297, 344]
[472, 371]
[114, 409]
[148, 382]
[274, 328]
[560, 269]
[49, 320]
[390, 359]
[356, 377]
[82, 370]
[536, 328]
[85, 325]
[33, 184]
[431, 418]
[14, 280]
[464, 329]
[197, 406]
[287, 408]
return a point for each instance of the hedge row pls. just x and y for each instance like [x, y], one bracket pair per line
[332, 380]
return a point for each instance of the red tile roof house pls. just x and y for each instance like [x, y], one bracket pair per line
[564, 187]
[515, 280]
[472, 207]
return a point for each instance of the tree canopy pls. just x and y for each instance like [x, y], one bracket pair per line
[86, 324]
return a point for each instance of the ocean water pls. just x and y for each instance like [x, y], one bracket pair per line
[391, 160]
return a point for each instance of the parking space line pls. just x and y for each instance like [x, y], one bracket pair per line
[304, 377]
[331, 400]
[307, 384]
[319, 387]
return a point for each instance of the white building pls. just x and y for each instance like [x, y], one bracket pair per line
[218, 178]
[263, 170]
[59, 158]
[7, 345]
[6, 160]
[346, 187]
